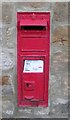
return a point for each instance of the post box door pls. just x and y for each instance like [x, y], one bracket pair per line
[33, 79]
[33, 46]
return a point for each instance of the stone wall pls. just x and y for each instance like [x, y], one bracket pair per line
[58, 82]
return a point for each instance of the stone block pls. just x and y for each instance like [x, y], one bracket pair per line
[0, 12]
[7, 90]
[4, 80]
[60, 12]
[6, 63]
[60, 34]
[7, 12]
[33, 6]
[9, 36]
[7, 85]
[7, 109]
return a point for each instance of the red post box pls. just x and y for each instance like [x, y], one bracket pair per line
[33, 48]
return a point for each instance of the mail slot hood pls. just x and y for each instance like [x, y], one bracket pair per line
[33, 22]
[33, 27]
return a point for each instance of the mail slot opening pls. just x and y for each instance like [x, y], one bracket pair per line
[33, 28]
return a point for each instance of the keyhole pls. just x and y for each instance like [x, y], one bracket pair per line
[27, 85]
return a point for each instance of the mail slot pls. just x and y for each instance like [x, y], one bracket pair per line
[33, 51]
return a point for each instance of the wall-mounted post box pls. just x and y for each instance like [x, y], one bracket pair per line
[33, 46]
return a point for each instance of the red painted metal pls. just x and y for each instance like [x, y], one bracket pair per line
[33, 44]
[33, 22]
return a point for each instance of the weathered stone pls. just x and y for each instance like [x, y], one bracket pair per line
[40, 111]
[0, 37]
[60, 34]
[4, 80]
[0, 12]
[30, 6]
[6, 62]
[7, 109]
[7, 85]
[39, 4]
[0, 80]
[7, 12]
[69, 80]
[0, 108]
[60, 12]
[9, 36]
[7, 90]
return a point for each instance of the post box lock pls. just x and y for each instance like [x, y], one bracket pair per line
[28, 85]
[33, 51]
